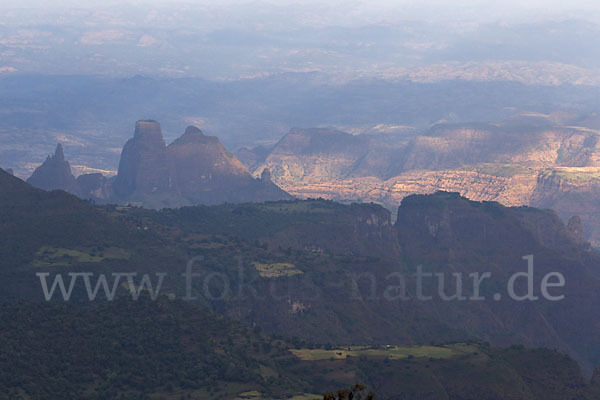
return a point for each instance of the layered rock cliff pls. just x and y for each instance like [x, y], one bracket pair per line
[447, 233]
[527, 160]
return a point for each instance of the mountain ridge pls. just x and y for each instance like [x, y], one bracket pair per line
[193, 169]
[529, 159]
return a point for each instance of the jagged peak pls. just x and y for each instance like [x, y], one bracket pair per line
[59, 153]
[193, 130]
[193, 134]
[54, 173]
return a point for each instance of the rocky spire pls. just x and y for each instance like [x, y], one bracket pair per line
[265, 176]
[59, 153]
[575, 228]
[54, 173]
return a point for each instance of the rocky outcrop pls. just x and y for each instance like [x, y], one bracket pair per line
[447, 233]
[144, 167]
[202, 168]
[571, 191]
[203, 172]
[194, 169]
[95, 187]
[319, 155]
[54, 173]
[265, 175]
[358, 229]
[253, 157]
[575, 228]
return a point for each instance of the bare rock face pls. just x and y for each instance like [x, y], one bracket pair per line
[144, 167]
[205, 173]
[521, 161]
[54, 173]
[265, 176]
[94, 187]
[575, 228]
[194, 169]
[572, 191]
[445, 232]
[313, 155]
[202, 167]
[253, 157]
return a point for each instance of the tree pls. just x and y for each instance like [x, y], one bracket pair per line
[356, 392]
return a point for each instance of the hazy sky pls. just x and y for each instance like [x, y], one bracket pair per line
[241, 38]
[354, 11]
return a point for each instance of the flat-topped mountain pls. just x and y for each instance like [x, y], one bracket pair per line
[143, 167]
[194, 169]
[321, 155]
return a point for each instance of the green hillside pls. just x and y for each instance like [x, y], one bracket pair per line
[174, 350]
[306, 283]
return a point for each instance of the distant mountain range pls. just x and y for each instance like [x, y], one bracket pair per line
[549, 161]
[543, 160]
[194, 169]
[92, 115]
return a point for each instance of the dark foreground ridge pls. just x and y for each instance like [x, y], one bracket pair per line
[155, 349]
[306, 270]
